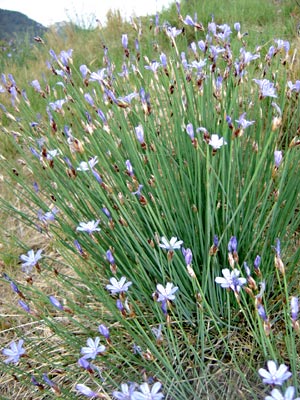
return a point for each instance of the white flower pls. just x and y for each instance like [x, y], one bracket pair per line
[231, 280]
[92, 348]
[171, 245]
[167, 293]
[215, 142]
[88, 227]
[288, 395]
[274, 376]
[86, 166]
[147, 394]
[30, 260]
[118, 286]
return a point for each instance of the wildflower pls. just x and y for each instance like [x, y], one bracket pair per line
[146, 393]
[126, 391]
[104, 331]
[188, 255]
[167, 293]
[57, 105]
[139, 131]
[242, 125]
[277, 395]
[25, 306]
[14, 352]
[157, 333]
[153, 66]
[92, 348]
[247, 57]
[86, 166]
[294, 312]
[274, 376]
[215, 142]
[118, 286]
[56, 303]
[88, 227]
[171, 245]
[31, 260]
[277, 158]
[231, 280]
[125, 41]
[85, 390]
[172, 32]
[129, 168]
[278, 261]
[267, 88]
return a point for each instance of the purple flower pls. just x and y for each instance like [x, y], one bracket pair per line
[56, 303]
[110, 257]
[104, 331]
[89, 99]
[172, 32]
[262, 313]
[88, 227]
[126, 391]
[147, 393]
[188, 255]
[129, 167]
[267, 88]
[30, 259]
[83, 70]
[153, 66]
[57, 105]
[274, 376]
[14, 352]
[171, 245]
[243, 123]
[157, 332]
[93, 348]
[125, 41]
[247, 57]
[190, 131]
[139, 131]
[231, 280]
[120, 286]
[86, 166]
[277, 158]
[232, 244]
[257, 262]
[277, 395]
[25, 306]
[294, 308]
[36, 85]
[85, 390]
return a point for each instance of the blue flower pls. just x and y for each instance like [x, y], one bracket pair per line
[274, 376]
[30, 259]
[92, 348]
[14, 352]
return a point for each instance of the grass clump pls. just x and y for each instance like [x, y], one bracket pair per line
[156, 184]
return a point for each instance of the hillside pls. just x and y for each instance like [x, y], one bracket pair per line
[14, 24]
